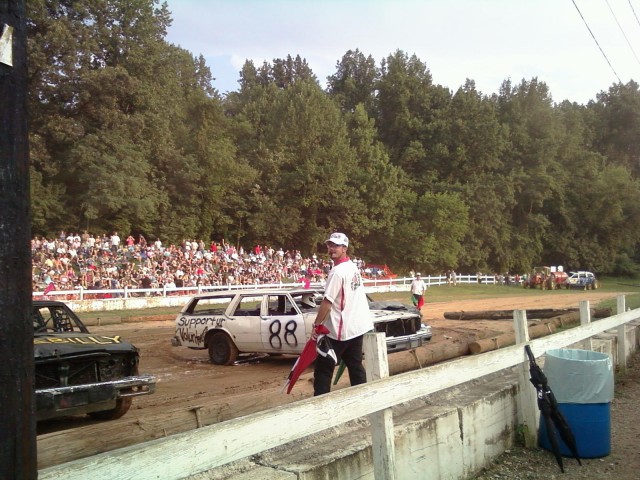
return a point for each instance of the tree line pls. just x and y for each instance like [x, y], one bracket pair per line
[127, 133]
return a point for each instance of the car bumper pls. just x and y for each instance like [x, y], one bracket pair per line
[408, 342]
[80, 399]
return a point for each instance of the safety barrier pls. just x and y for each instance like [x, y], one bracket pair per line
[191, 453]
[82, 293]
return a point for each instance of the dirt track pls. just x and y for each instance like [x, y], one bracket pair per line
[186, 379]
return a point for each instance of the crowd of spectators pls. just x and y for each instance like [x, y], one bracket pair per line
[102, 262]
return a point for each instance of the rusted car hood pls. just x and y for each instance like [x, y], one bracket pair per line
[58, 345]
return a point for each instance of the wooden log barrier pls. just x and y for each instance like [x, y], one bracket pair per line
[536, 330]
[507, 314]
[430, 354]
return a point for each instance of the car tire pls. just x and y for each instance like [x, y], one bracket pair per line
[222, 350]
[122, 407]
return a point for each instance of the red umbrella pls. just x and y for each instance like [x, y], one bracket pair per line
[306, 358]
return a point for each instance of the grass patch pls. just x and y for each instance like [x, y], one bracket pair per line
[445, 293]
[138, 312]
[632, 301]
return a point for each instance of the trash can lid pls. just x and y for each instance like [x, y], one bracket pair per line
[579, 376]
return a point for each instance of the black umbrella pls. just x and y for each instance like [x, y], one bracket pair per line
[553, 418]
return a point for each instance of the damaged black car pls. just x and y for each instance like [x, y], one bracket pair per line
[77, 372]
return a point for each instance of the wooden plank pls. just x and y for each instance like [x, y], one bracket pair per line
[59, 447]
[184, 454]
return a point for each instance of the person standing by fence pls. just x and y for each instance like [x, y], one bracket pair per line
[418, 288]
[345, 312]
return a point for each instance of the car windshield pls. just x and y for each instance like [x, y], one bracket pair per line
[54, 318]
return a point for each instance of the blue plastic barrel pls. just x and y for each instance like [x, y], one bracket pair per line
[591, 426]
[582, 382]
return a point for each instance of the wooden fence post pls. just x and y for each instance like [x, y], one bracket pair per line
[585, 319]
[528, 413]
[622, 338]
[382, 431]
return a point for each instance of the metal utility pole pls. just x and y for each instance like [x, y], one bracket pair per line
[17, 421]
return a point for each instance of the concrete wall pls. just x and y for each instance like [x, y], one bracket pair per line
[449, 435]
[132, 303]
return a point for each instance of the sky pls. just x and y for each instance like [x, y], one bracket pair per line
[487, 41]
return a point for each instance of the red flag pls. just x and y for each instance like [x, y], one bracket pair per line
[306, 358]
[50, 287]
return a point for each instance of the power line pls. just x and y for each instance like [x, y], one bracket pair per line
[634, 13]
[621, 30]
[594, 39]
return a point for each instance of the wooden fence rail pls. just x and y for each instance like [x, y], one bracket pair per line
[82, 293]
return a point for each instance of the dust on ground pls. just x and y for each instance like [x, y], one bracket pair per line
[186, 379]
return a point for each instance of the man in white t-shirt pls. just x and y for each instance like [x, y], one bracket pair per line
[417, 291]
[115, 242]
[344, 311]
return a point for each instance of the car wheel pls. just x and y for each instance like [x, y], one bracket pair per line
[122, 407]
[222, 350]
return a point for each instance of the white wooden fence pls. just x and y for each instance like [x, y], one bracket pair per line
[82, 293]
[199, 450]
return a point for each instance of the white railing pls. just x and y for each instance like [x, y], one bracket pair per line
[83, 293]
[190, 453]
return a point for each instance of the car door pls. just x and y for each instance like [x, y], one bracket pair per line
[282, 325]
[245, 322]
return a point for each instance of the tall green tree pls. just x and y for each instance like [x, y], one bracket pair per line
[355, 82]
[130, 133]
[617, 125]
[531, 166]
[475, 142]
[410, 117]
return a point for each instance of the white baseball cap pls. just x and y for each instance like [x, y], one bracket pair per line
[339, 239]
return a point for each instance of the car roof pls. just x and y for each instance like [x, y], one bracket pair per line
[257, 292]
[46, 303]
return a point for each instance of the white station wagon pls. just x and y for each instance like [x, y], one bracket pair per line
[276, 321]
